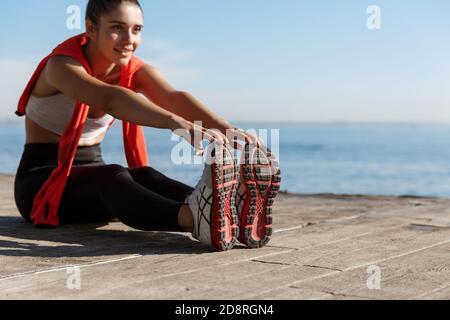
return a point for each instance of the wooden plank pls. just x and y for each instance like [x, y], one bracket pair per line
[419, 275]
[219, 281]
[362, 249]
[321, 249]
[143, 277]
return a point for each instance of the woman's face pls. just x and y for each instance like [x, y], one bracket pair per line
[119, 33]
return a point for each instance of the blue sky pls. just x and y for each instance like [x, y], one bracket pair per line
[266, 60]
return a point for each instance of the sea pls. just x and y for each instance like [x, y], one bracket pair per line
[338, 158]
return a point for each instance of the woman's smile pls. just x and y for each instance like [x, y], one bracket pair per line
[124, 52]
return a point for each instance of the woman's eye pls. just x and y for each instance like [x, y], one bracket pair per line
[117, 27]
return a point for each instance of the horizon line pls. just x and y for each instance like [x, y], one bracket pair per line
[309, 122]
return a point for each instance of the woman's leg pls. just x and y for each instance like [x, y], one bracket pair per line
[110, 191]
[27, 184]
[161, 184]
[167, 187]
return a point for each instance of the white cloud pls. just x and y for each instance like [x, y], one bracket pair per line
[311, 104]
[328, 107]
[174, 63]
[15, 75]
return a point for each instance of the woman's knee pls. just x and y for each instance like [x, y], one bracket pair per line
[115, 174]
[146, 174]
[97, 176]
[113, 167]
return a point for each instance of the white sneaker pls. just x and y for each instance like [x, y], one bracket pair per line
[212, 201]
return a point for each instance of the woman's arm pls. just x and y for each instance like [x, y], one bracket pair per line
[68, 76]
[153, 85]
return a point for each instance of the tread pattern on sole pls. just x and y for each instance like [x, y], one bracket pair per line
[262, 179]
[224, 219]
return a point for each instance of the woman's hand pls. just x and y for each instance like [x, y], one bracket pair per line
[235, 134]
[195, 134]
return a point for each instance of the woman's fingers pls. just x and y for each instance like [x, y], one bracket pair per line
[256, 139]
[233, 137]
[245, 136]
[200, 134]
[208, 136]
[196, 143]
[219, 136]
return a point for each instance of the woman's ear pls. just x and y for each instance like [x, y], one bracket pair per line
[90, 29]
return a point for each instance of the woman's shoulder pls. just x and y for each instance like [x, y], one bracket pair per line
[55, 68]
[61, 63]
[43, 88]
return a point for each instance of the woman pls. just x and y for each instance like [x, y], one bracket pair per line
[72, 99]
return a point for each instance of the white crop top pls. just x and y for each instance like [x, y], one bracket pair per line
[54, 113]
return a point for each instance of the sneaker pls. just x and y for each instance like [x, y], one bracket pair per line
[212, 201]
[259, 183]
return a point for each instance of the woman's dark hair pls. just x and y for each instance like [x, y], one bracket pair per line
[96, 8]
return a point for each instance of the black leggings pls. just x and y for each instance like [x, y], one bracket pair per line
[142, 198]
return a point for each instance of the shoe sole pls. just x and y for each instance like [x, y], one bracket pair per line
[224, 219]
[262, 183]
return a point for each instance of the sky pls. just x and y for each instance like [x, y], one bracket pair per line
[267, 60]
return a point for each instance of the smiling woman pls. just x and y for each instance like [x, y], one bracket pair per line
[119, 30]
[76, 93]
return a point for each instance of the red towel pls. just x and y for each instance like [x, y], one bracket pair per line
[47, 201]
